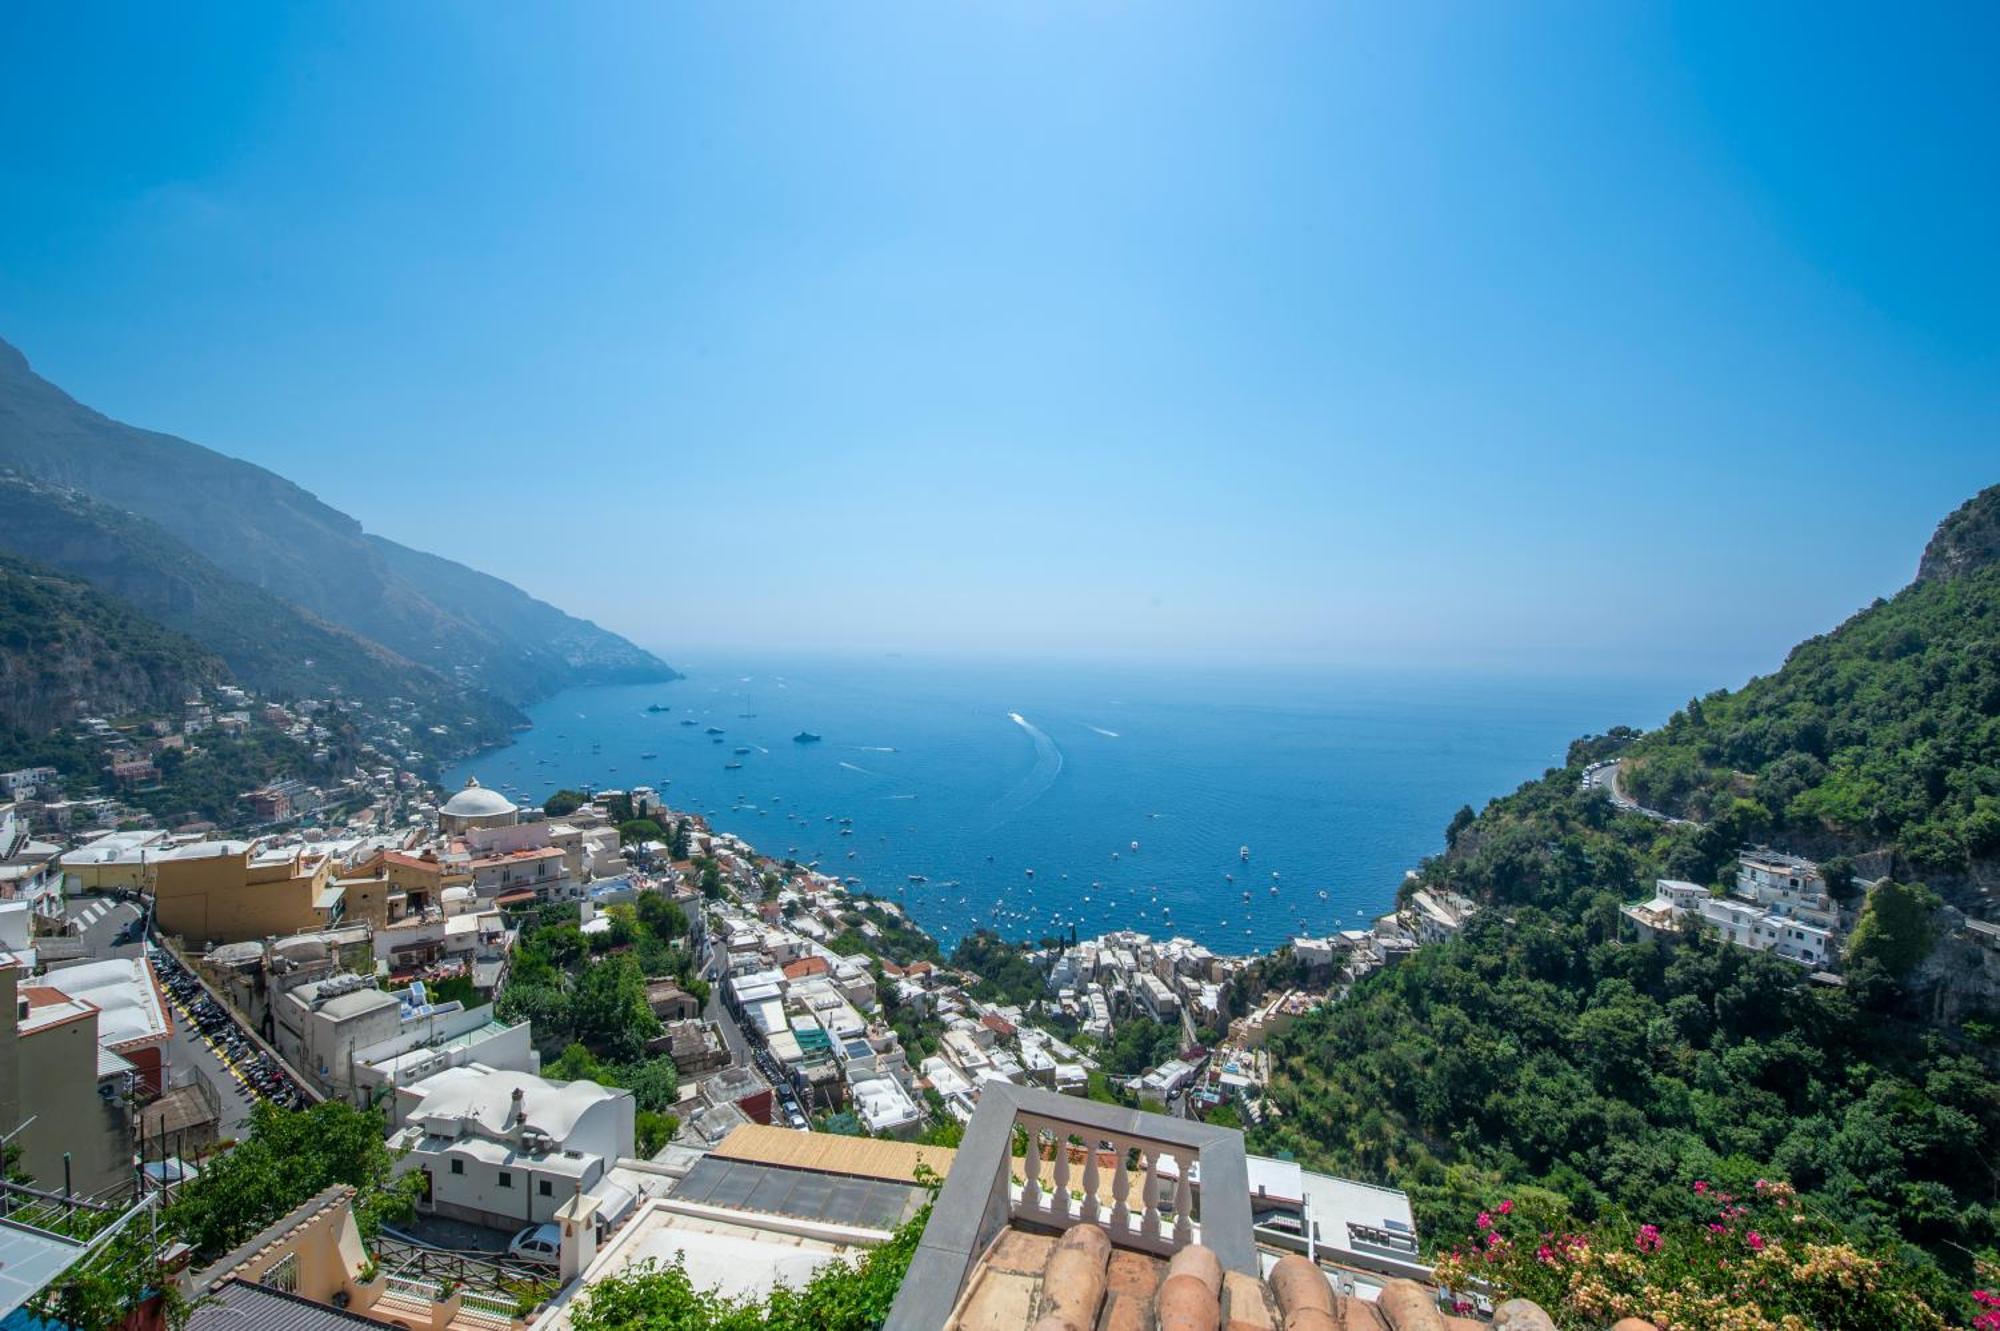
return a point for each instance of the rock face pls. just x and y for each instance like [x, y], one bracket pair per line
[262, 530]
[1965, 542]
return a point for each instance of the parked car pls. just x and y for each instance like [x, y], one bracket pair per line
[540, 1245]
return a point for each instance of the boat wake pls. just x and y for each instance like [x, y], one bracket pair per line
[876, 748]
[852, 768]
[1048, 766]
[1108, 734]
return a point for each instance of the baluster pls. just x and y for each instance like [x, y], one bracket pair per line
[1121, 1214]
[1061, 1193]
[1031, 1165]
[1150, 1222]
[1183, 1201]
[1090, 1181]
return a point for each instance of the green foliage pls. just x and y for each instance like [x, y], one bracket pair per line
[287, 1158]
[1005, 973]
[1137, 1045]
[1538, 1050]
[1885, 731]
[839, 1298]
[635, 830]
[1895, 930]
[608, 1011]
[1754, 1261]
[563, 803]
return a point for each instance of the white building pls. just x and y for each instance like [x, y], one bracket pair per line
[1760, 928]
[506, 1149]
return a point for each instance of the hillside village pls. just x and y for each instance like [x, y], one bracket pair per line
[367, 940]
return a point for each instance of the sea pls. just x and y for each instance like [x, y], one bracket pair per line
[1237, 805]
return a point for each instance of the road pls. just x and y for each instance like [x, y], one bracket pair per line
[100, 920]
[1604, 776]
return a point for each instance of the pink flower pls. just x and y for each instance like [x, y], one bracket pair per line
[1715, 1228]
[1648, 1238]
[1461, 1307]
[1755, 1240]
[1507, 1208]
[1545, 1255]
[1700, 1186]
[1485, 1220]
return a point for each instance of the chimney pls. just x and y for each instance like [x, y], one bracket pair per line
[520, 1106]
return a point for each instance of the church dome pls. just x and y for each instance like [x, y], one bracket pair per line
[476, 801]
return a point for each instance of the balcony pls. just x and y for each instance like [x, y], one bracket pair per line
[1126, 1173]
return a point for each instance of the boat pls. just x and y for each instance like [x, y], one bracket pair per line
[1243, 853]
[1135, 847]
[743, 750]
[732, 766]
[687, 720]
[649, 754]
[658, 707]
[713, 730]
[805, 737]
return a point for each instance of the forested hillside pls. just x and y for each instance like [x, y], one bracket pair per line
[64, 646]
[1884, 734]
[270, 645]
[1542, 1056]
[262, 530]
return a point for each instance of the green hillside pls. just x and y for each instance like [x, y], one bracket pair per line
[263, 530]
[1884, 734]
[68, 650]
[270, 645]
[1543, 1055]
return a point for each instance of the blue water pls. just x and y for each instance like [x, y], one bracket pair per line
[972, 775]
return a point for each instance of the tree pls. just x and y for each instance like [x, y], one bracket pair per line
[1895, 929]
[637, 830]
[608, 1010]
[563, 803]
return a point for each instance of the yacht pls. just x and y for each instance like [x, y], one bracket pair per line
[732, 766]
[649, 754]
[1243, 853]
[1135, 847]
[713, 730]
[742, 750]
[805, 737]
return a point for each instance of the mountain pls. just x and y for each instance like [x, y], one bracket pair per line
[1546, 1058]
[1881, 737]
[67, 647]
[261, 529]
[268, 644]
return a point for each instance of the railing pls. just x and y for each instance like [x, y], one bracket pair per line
[1083, 1168]
[414, 1288]
[282, 1275]
[1116, 1173]
[489, 1307]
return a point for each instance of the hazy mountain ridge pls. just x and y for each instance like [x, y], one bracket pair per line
[1880, 736]
[269, 644]
[64, 644]
[264, 530]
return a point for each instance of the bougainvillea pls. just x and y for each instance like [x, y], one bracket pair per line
[1761, 1262]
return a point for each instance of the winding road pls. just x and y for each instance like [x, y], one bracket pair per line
[1604, 776]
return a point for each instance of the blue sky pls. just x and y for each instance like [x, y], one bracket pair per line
[1538, 336]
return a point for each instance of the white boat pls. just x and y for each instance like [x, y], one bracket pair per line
[1135, 847]
[1243, 852]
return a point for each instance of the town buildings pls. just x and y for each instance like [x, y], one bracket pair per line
[507, 1149]
[1779, 904]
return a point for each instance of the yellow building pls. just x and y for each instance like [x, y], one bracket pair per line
[233, 892]
[50, 1072]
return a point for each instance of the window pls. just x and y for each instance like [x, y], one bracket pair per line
[548, 1189]
[458, 1166]
[506, 1179]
